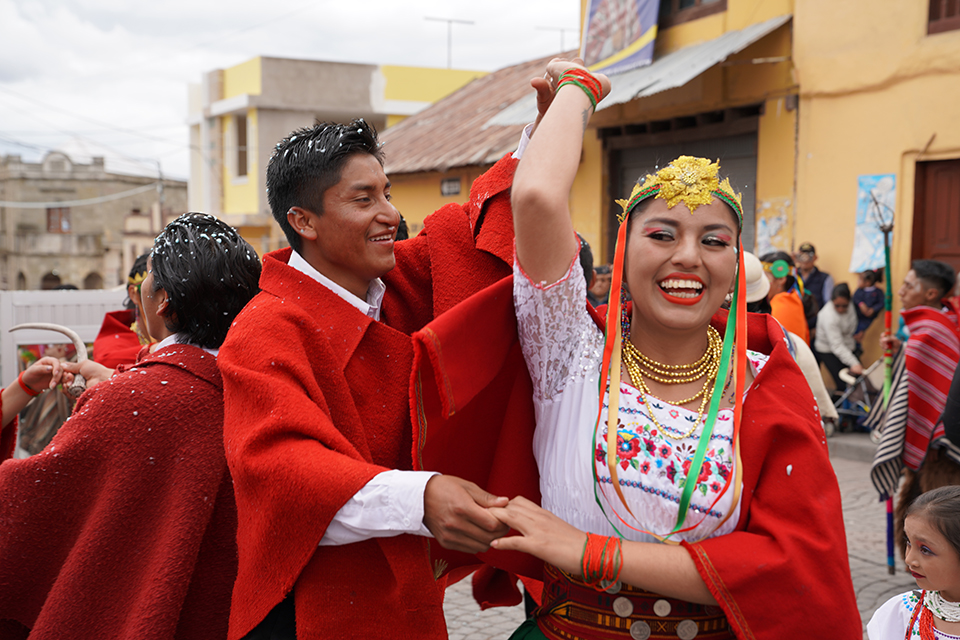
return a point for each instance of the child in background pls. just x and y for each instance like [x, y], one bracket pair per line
[867, 302]
[932, 534]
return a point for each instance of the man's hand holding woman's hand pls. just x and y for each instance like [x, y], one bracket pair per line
[459, 514]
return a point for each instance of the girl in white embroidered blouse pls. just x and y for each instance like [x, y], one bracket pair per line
[932, 538]
[665, 466]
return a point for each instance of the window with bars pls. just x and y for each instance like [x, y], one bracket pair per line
[678, 11]
[944, 16]
[241, 122]
[58, 220]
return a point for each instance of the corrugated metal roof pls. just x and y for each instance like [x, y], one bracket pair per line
[671, 71]
[451, 132]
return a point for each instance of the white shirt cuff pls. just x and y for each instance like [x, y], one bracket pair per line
[390, 504]
[524, 141]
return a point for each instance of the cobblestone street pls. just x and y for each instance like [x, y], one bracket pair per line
[864, 518]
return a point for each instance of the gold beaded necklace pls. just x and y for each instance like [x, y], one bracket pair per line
[639, 365]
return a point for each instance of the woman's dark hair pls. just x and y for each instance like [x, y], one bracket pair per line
[139, 268]
[869, 277]
[759, 306]
[773, 256]
[941, 507]
[308, 162]
[842, 290]
[209, 273]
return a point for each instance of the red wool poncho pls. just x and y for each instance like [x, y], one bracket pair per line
[124, 525]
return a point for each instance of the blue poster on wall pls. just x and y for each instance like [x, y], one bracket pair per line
[618, 35]
[876, 199]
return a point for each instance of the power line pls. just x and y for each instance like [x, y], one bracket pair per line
[79, 203]
[91, 120]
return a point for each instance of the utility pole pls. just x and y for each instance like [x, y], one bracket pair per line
[449, 22]
[562, 31]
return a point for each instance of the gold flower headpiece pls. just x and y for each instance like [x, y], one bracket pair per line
[687, 179]
[137, 279]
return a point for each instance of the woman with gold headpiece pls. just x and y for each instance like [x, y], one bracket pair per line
[704, 505]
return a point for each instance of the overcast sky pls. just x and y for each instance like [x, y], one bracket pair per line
[112, 75]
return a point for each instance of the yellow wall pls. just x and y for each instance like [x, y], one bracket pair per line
[240, 195]
[586, 197]
[876, 91]
[776, 171]
[420, 84]
[418, 195]
[242, 78]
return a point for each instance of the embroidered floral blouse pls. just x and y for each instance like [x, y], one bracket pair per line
[890, 621]
[563, 347]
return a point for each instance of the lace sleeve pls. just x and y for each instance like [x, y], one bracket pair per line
[559, 339]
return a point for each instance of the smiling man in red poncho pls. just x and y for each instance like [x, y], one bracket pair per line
[333, 523]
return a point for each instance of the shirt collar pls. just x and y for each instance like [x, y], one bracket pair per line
[369, 307]
[173, 339]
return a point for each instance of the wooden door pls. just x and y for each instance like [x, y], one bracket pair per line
[936, 215]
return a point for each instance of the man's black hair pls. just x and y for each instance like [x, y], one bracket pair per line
[308, 162]
[403, 231]
[935, 274]
[208, 272]
[139, 268]
[586, 260]
[759, 306]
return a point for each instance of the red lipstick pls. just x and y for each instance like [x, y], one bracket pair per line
[676, 299]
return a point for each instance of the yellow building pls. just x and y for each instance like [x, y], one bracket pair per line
[879, 95]
[238, 114]
[798, 100]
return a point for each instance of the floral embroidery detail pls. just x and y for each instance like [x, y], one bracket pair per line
[665, 451]
[601, 455]
[628, 446]
[674, 414]
[671, 472]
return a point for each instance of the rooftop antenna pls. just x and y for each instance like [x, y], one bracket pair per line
[449, 22]
[562, 31]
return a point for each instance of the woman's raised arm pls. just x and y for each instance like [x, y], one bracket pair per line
[540, 195]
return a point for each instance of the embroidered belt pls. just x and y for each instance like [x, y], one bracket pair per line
[572, 610]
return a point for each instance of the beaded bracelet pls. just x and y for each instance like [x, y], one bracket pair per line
[585, 80]
[27, 390]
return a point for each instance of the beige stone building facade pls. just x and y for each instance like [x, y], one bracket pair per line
[63, 222]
